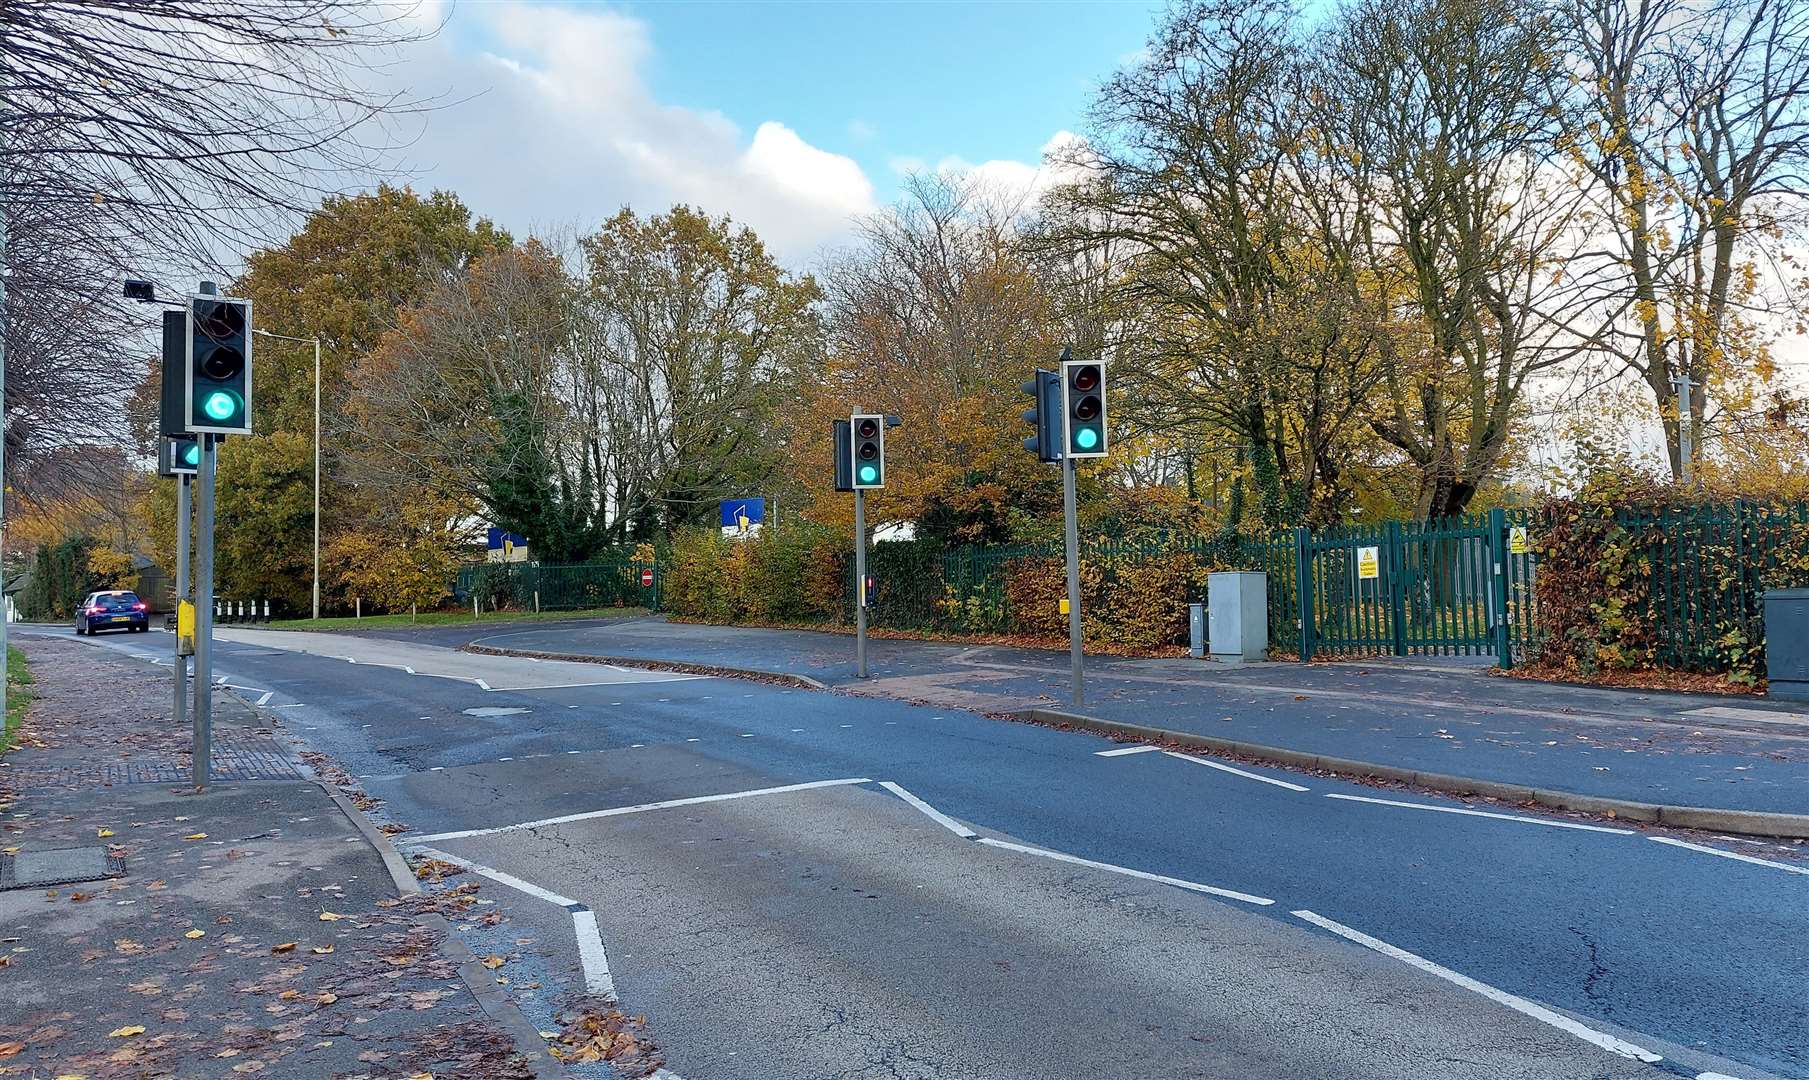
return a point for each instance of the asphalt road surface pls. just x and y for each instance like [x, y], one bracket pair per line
[892, 890]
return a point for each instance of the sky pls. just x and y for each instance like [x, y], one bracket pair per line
[794, 118]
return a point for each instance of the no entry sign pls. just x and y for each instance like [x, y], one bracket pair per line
[647, 578]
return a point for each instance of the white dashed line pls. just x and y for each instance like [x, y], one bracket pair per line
[1481, 813]
[1233, 771]
[591, 955]
[267, 695]
[1501, 997]
[1706, 850]
[1123, 750]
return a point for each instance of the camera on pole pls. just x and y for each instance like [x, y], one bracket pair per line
[217, 375]
[1083, 408]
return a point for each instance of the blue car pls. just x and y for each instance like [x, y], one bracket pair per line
[118, 609]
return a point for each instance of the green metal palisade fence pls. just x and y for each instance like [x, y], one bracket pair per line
[1457, 586]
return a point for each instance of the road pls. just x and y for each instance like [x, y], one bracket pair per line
[932, 893]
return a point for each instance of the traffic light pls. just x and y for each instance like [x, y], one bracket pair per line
[844, 456]
[867, 441]
[218, 378]
[1045, 390]
[178, 455]
[1083, 408]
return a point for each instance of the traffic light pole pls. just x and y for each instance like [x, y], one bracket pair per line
[860, 583]
[182, 539]
[204, 617]
[1072, 529]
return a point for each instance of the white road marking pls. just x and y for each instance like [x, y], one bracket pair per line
[1501, 997]
[1123, 750]
[1178, 883]
[1481, 813]
[591, 955]
[1220, 766]
[1706, 850]
[267, 695]
[931, 812]
[296, 705]
[495, 875]
[641, 808]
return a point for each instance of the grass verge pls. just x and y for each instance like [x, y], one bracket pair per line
[446, 618]
[18, 695]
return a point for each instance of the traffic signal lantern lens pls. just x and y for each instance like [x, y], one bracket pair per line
[219, 320]
[869, 451]
[191, 454]
[1086, 438]
[1086, 408]
[869, 473]
[221, 406]
[223, 362]
[869, 428]
[1086, 378]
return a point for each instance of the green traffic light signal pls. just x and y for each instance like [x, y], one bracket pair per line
[217, 365]
[1086, 438]
[191, 454]
[869, 474]
[221, 406]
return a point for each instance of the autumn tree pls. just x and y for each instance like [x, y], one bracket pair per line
[1690, 122]
[936, 315]
[1241, 309]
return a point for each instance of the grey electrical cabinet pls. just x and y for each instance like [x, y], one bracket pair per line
[1787, 643]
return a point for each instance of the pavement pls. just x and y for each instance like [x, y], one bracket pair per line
[796, 884]
[1443, 716]
[251, 928]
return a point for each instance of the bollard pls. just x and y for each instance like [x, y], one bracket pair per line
[357, 607]
[536, 601]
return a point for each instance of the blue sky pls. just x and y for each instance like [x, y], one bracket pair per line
[975, 81]
[793, 117]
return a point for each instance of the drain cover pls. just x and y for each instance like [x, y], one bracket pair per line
[57, 866]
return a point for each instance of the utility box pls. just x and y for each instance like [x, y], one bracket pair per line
[1787, 643]
[1237, 603]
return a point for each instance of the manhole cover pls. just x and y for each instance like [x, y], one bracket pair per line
[57, 866]
[493, 710]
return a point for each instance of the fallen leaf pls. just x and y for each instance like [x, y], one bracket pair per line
[193, 934]
[229, 1052]
[289, 995]
[9, 1049]
[327, 999]
[420, 1076]
[328, 916]
[493, 962]
[196, 836]
[249, 1067]
[321, 950]
[126, 1032]
[287, 946]
[103, 833]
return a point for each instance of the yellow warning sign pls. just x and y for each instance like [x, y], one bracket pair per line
[1369, 563]
[185, 628]
[1517, 543]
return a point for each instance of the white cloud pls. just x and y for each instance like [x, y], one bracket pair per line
[555, 123]
[1018, 179]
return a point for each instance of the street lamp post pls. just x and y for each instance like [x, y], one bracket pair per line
[316, 343]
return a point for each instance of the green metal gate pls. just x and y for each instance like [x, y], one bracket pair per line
[1456, 586]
